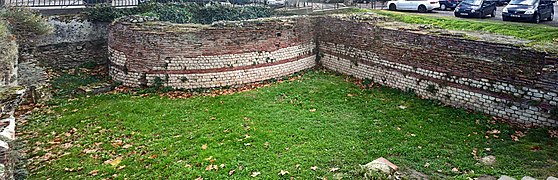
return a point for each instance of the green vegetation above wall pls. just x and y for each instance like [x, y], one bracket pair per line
[181, 13]
[24, 23]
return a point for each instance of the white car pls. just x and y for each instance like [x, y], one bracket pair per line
[413, 5]
[276, 3]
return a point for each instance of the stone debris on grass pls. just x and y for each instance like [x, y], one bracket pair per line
[552, 178]
[381, 165]
[504, 177]
[488, 160]
[528, 178]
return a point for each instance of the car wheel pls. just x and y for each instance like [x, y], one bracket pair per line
[392, 7]
[493, 14]
[443, 7]
[422, 9]
[551, 16]
[537, 18]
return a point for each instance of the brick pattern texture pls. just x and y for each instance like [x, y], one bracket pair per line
[189, 56]
[498, 79]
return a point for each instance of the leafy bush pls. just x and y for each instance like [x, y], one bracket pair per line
[4, 32]
[25, 23]
[174, 14]
[180, 13]
[107, 13]
[217, 12]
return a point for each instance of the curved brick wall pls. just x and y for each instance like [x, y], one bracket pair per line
[198, 56]
[515, 83]
[503, 80]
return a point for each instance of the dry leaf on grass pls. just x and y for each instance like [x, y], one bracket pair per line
[283, 172]
[254, 174]
[94, 172]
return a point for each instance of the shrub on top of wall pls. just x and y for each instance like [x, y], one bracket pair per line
[173, 14]
[217, 12]
[107, 13]
[25, 23]
[181, 13]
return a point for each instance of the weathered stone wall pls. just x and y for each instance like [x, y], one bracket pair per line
[222, 54]
[497, 79]
[8, 61]
[75, 41]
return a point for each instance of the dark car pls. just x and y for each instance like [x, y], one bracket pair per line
[502, 2]
[475, 8]
[530, 10]
[448, 4]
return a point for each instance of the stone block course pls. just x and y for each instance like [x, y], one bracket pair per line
[497, 79]
[494, 78]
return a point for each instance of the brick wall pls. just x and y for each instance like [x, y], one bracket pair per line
[74, 42]
[206, 56]
[498, 79]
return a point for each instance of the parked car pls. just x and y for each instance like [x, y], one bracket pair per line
[448, 4]
[475, 8]
[413, 5]
[531, 10]
[502, 2]
[276, 3]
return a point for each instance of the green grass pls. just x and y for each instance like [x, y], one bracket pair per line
[318, 120]
[537, 33]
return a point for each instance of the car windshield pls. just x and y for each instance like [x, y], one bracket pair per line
[523, 2]
[473, 2]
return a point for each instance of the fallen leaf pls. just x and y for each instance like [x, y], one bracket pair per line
[121, 167]
[427, 165]
[211, 167]
[553, 133]
[514, 138]
[127, 146]
[199, 178]
[313, 110]
[402, 107]
[94, 172]
[313, 168]
[204, 147]
[350, 95]
[283, 172]
[455, 170]
[254, 174]
[116, 161]
[333, 169]
[231, 172]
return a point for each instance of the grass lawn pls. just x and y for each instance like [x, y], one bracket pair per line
[320, 120]
[540, 34]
